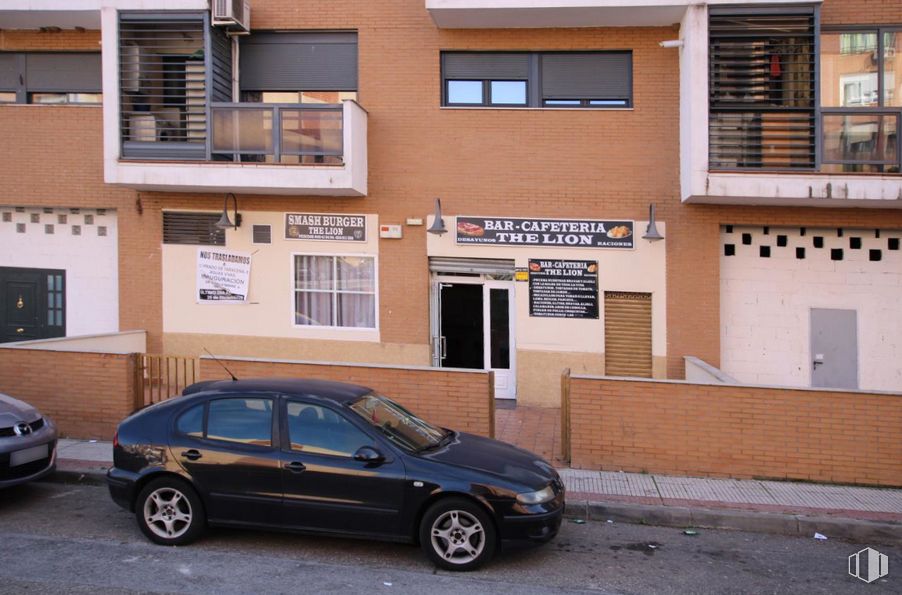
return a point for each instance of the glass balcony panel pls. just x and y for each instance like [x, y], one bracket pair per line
[242, 130]
[861, 138]
[311, 132]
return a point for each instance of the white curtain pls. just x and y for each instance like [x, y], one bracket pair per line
[335, 291]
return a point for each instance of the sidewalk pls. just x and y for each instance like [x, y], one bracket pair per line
[867, 515]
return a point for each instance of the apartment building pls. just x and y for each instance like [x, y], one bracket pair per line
[261, 179]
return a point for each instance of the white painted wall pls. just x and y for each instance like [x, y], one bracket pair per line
[269, 311]
[90, 260]
[766, 304]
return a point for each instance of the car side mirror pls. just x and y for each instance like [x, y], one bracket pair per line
[369, 455]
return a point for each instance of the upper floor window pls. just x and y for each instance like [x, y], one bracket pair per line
[56, 78]
[537, 79]
[861, 99]
[762, 112]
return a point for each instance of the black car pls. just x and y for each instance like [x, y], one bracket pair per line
[330, 458]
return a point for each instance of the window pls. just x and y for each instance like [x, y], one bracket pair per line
[191, 422]
[335, 291]
[50, 78]
[861, 99]
[762, 88]
[317, 430]
[537, 79]
[247, 421]
[192, 228]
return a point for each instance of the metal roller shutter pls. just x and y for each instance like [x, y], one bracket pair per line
[63, 73]
[480, 266]
[299, 62]
[484, 66]
[9, 72]
[586, 76]
[627, 334]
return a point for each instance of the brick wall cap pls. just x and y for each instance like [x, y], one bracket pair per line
[228, 358]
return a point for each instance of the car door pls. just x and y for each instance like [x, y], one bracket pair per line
[325, 488]
[229, 447]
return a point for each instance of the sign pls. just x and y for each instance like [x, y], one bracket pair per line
[334, 228]
[521, 274]
[222, 276]
[575, 233]
[563, 288]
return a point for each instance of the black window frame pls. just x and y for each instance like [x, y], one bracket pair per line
[535, 98]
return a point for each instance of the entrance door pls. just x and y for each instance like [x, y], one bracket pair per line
[31, 304]
[476, 330]
[834, 348]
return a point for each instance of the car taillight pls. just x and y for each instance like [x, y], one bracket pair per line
[116, 439]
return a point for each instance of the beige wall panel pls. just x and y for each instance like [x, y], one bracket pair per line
[299, 349]
[539, 374]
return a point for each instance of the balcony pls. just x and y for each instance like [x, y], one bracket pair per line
[499, 14]
[289, 149]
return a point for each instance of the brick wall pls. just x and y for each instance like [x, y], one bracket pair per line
[86, 394]
[736, 431]
[865, 12]
[458, 399]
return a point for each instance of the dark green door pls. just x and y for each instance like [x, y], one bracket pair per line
[32, 304]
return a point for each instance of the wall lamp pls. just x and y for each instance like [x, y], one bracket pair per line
[224, 221]
[671, 43]
[438, 224]
[651, 232]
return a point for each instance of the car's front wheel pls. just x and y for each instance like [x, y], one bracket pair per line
[169, 512]
[457, 534]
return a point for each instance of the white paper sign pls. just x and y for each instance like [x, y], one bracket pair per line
[222, 276]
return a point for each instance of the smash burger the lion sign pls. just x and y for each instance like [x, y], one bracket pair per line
[576, 233]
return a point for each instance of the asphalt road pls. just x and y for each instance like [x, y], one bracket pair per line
[61, 538]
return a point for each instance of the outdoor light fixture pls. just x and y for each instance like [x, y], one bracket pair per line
[438, 224]
[671, 43]
[224, 221]
[651, 232]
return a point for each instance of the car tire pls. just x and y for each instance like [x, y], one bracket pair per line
[457, 534]
[169, 512]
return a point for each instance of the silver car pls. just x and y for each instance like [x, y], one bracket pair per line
[27, 443]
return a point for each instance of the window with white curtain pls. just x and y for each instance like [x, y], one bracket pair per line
[335, 291]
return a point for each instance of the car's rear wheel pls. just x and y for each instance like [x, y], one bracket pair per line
[169, 512]
[457, 534]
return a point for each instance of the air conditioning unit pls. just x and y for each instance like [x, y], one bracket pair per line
[235, 15]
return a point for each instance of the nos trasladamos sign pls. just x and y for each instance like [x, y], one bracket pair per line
[575, 233]
[222, 276]
[335, 228]
[563, 288]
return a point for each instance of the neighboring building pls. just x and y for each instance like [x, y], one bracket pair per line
[768, 139]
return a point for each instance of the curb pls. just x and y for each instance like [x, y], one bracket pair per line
[91, 477]
[794, 525]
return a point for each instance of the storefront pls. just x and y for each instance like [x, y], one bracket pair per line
[528, 297]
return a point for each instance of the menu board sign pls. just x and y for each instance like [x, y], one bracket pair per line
[222, 276]
[573, 233]
[563, 288]
[335, 228]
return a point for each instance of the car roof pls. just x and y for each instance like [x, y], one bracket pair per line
[340, 392]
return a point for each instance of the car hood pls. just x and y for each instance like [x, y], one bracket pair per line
[13, 411]
[495, 457]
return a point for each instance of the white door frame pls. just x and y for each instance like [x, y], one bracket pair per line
[507, 387]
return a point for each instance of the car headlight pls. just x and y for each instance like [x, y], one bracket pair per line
[540, 497]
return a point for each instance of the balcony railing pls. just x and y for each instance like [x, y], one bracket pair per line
[307, 134]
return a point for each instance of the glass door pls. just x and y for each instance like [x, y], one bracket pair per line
[500, 352]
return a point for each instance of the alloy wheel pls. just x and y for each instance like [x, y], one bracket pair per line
[458, 537]
[167, 512]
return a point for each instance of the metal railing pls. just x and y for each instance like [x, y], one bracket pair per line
[278, 133]
[161, 377]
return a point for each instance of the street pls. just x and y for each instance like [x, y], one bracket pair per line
[64, 538]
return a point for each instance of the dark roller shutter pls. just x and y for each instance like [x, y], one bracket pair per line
[299, 62]
[586, 76]
[192, 228]
[627, 334]
[63, 73]
[481, 266]
[485, 66]
[9, 72]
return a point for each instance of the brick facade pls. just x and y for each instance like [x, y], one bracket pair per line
[736, 431]
[461, 400]
[86, 394]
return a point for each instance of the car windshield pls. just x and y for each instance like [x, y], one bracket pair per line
[399, 425]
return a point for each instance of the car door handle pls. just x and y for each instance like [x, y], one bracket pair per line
[295, 467]
[192, 455]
